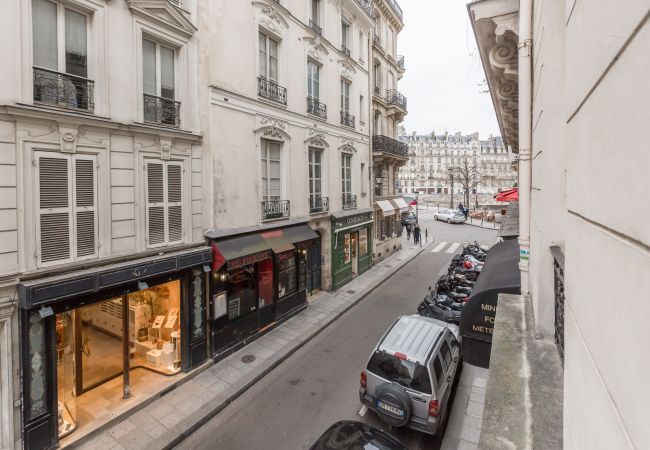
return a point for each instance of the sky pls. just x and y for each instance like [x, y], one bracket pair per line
[444, 76]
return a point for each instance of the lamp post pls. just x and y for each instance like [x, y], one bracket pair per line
[450, 170]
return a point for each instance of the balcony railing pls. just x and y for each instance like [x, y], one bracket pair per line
[400, 61]
[394, 97]
[345, 50]
[368, 6]
[160, 110]
[270, 89]
[347, 119]
[389, 145]
[314, 26]
[275, 209]
[349, 201]
[316, 108]
[318, 204]
[63, 90]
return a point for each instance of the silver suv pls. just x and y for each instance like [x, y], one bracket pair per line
[409, 375]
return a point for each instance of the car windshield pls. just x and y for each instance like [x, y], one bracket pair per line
[406, 373]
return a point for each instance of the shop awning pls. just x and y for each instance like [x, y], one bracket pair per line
[299, 234]
[500, 275]
[277, 240]
[511, 195]
[401, 204]
[239, 246]
[386, 207]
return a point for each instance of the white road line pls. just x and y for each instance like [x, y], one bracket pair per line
[453, 247]
[363, 410]
[439, 247]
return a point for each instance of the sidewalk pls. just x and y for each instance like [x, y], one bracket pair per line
[170, 418]
[483, 224]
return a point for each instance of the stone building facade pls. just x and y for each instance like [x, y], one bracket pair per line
[389, 107]
[432, 156]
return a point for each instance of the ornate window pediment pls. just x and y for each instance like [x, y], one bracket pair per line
[316, 138]
[271, 128]
[347, 146]
[270, 18]
[346, 69]
[163, 13]
[316, 49]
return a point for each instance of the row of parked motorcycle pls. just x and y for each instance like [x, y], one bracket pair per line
[446, 300]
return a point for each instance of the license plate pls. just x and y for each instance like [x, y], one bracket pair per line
[389, 408]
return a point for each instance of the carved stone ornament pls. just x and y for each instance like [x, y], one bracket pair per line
[316, 49]
[273, 128]
[346, 69]
[270, 18]
[347, 145]
[166, 146]
[316, 138]
[6, 311]
[68, 136]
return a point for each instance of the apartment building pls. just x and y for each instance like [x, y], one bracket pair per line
[102, 254]
[389, 107]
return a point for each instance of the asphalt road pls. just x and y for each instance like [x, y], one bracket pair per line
[318, 385]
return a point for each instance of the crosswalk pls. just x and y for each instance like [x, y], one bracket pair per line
[448, 247]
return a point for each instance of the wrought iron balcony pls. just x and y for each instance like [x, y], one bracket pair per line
[160, 110]
[314, 26]
[400, 62]
[316, 108]
[368, 6]
[394, 97]
[275, 209]
[345, 50]
[318, 204]
[347, 119]
[349, 201]
[63, 90]
[389, 145]
[270, 89]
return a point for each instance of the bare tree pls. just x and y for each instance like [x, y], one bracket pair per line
[469, 176]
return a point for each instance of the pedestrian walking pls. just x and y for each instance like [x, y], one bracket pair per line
[461, 208]
[466, 212]
[408, 232]
[416, 233]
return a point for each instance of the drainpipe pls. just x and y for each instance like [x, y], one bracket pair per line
[525, 136]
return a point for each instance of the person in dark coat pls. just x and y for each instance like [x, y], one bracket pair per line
[416, 233]
[408, 231]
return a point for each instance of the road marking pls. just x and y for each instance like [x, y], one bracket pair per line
[453, 247]
[363, 410]
[439, 247]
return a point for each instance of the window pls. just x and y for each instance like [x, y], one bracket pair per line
[362, 109]
[287, 280]
[346, 174]
[362, 52]
[67, 207]
[313, 80]
[315, 172]
[376, 69]
[271, 189]
[164, 191]
[345, 95]
[159, 86]
[315, 10]
[268, 57]
[406, 373]
[437, 368]
[345, 37]
[446, 353]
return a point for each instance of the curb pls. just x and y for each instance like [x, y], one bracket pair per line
[210, 414]
[481, 226]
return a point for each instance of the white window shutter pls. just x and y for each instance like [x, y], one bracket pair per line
[174, 201]
[155, 192]
[85, 205]
[54, 195]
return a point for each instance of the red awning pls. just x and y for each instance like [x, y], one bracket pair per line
[511, 195]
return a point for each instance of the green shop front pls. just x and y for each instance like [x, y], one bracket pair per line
[351, 245]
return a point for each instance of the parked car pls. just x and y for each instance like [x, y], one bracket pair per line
[449, 216]
[409, 375]
[410, 218]
[352, 435]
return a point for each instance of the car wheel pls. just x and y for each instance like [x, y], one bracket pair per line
[394, 395]
[448, 220]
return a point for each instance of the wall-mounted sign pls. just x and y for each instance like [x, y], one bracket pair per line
[219, 306]
[248, 259]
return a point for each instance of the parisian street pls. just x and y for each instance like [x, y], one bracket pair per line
[318, 385]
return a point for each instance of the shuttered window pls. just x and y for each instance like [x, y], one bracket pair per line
[67, 206]
[164, 187]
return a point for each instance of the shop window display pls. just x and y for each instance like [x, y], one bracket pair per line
[363, 241]
[346, 248]
[287, 281]
[242, 297]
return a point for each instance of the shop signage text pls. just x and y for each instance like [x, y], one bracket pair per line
[285, 256]
[248, 259]
[352, 220]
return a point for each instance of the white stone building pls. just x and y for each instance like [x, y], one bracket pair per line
[569, 84]
[389, 107]
[100, 183]
[289, 115]
[432, 156]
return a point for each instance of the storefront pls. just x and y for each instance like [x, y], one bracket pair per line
[389, 214]
[258, 280]
[351, 245]
[97, 336]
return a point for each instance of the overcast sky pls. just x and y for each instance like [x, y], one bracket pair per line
[443, 70]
